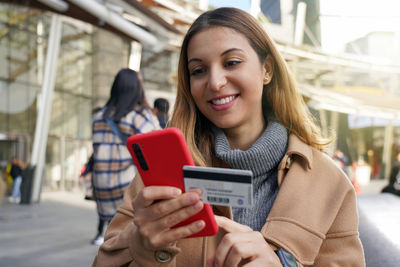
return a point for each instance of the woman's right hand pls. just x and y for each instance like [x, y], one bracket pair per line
[158, 208]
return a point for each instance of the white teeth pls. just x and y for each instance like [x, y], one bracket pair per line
[222, 101]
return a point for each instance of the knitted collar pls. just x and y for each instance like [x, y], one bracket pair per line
[261, 157]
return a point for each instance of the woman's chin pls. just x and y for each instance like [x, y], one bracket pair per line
[224, 124]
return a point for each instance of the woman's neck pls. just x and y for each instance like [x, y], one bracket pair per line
[243, 138]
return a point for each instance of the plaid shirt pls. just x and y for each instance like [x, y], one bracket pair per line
[113, 166]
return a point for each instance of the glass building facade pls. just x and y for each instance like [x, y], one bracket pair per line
[81, 62]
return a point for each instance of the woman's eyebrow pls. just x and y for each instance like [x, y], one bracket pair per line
[223, 53]
[230, 50]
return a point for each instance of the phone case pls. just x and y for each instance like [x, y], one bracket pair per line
[159, 157]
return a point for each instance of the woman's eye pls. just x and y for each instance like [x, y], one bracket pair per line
[196, 72]
[231, 63]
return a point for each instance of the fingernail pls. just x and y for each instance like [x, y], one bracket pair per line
[176, 191]
[192, 197]
[198, 205]
[196, 190]
[200, 224]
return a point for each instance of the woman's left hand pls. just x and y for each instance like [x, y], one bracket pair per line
[242, 246]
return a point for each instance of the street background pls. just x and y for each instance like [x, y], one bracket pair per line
[55, 232]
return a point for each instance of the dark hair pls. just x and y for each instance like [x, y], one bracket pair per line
[162, 105]
[126, 94]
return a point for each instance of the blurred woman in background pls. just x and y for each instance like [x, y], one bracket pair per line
[125, 113]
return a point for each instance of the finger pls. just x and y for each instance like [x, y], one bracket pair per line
[196, 190]
[162, 215]
[238, 252]
[230, 241]
[233, 258]
[271, 260]
[178, 233]
[149, 194]
[230, 226]
[179, 216]
[173, 206]
[255, 251]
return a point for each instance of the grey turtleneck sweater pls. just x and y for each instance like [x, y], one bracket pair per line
[262, 158]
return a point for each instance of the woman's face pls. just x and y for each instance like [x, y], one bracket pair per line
[226, 78]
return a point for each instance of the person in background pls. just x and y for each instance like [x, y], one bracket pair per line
[161, 108]
[340, 159]
[9, 179]
[85, 178]
[394, 180]
[16, 174]
[238, 107]
[125, 113]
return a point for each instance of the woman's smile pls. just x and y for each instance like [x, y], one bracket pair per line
[223, 102]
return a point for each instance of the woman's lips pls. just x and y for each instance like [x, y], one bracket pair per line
[223, 103]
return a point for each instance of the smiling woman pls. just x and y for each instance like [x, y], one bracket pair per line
[238, 107]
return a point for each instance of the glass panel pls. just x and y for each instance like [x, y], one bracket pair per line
[3, 13]
[70, 115]
[74, 72]
[74, 66]
[71, 164]
[20, 47]
[3, 122]
[85, 119]
[18, 101]
[52, 175]
[56, 115]
[24, 34]
[4, 50]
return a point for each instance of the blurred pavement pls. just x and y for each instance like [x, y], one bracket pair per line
[55, 232]
[379, 216]
[373, 187]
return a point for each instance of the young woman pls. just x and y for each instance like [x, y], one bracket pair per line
[238, 107]
[129, 114]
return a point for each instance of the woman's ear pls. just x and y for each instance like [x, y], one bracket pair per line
[268, 69]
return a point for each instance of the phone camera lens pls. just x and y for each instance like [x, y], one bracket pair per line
[140, 157]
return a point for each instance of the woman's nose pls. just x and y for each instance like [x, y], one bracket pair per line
[216, 79]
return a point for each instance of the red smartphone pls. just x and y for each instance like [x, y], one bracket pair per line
[159, 157]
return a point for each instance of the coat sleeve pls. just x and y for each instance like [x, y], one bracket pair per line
[122, 245]
[342, 246]
[314, 216]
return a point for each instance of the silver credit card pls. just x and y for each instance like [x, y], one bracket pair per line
[220, 186]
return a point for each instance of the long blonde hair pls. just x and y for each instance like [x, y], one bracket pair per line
[280, 97]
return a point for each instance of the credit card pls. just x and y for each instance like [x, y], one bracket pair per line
[220, 186]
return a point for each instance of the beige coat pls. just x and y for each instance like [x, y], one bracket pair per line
[314, 217]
